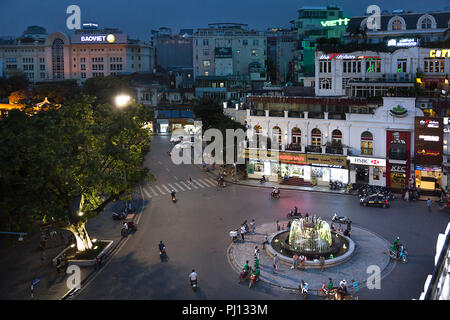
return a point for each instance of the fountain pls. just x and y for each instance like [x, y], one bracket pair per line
[310, 237]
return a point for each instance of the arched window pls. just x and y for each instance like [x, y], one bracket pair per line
[325, 83]
[336, 137]
[276, 134]
[58, 59]
[396, 23]
[426, 23]
[316, 137]
[367, 143]
[296, 136]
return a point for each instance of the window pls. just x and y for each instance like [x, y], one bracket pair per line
[245, 42]
[42, 67]
[83, 75]
[42, 75]
[254, 52]
[373, 66]
[325, 66]
[401, 65]
[206, 52]
[397, 25]
[205, 42]
[27, 67]
[316, 135]
[336, 137]
[82, 66]
[366, 143]
[296, 136]
[42, 60]
[82, 59]
[206, 73]
[431, 65]
[255, 42]
[206, 63]
[325, 83]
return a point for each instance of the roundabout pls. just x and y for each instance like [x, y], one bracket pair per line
[365, 249]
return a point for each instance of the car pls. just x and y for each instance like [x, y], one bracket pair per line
[376, 200]
[184, 145]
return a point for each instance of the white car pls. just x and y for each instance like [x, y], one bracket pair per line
[184, 145]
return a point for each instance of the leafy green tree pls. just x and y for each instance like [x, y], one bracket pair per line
[56, 92]
[63, 162]
[107, 88]
[13, 83]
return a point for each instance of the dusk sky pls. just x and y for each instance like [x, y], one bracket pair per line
[138, 17]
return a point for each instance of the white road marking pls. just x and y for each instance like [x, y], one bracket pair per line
[167, 169]
[147, 193]
[184, 184]
[153, 190]
[193, 185]
[200, 184]
[173, 188]
[182, 189]
[208, 182]
[212, 180]
[166, 188]
[162, 192]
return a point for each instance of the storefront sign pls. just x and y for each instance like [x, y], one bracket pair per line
[402, 43]
[398, 168]
[369, 57]
[433, 168]
[334, 23]
[99, 38]
[398, 112]
[428, 138]
[292, 158]
[445, 53]
[110, 38]
[367, 161]
[429, 123]
[428, 152]
[331, 161]
[337, 56]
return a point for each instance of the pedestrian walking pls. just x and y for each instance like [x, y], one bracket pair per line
[278, 226]
[355, 290]
[429, 204]
[294, 261]
[190, 180]
[266, 241]
[275, 264]
[32, 290]
[302, 259]
[256, 253]
[407, 195]
[252, 225]
[242, 232]
[322, 263]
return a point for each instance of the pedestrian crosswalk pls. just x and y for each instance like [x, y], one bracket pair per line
[156, 190]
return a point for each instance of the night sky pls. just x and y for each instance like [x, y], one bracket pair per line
[138, 17]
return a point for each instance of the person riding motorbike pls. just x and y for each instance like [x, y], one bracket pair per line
[161, 247]
[172, 193]
[246, 269]
[275, 192]
[330, 284]
[396, 246]
[193, 277]
[263, 179]
[303, 287]
[255, 271]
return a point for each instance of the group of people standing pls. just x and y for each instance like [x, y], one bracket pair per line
[246, 228]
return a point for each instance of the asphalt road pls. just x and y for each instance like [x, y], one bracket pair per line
[195, 232]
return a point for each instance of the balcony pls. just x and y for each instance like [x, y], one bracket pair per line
[317, 149]
[294, 147]
[367, 151]
[259, 113]
[276, 113]
[334, 150]
[296, 114]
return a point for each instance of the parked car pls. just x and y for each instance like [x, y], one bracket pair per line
[376, 200]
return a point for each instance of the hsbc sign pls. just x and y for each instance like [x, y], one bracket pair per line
[367, 161]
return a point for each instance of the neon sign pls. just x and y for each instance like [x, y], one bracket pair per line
[402, 43]
[429, 123]
[334, 23]
[440, 53]
[429, 138]
[110, 38]
[337, 56]
[428, 152]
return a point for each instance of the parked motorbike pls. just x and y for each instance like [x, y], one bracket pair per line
[194, 284]
[339, 219]
[234, 235]
[402, 255]
[303, 288]
[119, 215]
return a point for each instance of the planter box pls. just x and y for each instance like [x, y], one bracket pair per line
[85, 263]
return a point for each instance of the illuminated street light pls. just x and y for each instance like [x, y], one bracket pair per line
[80, 213]
[122, 100]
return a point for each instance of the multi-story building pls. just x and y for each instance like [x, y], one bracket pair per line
[280, 53]
[226, 49]
[314, 23]
[173, 51]
[370, 73]
[89, 52]
[427, 27]
[343, 139]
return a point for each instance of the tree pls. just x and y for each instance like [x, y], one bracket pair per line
[19, 96]
[106, 88]
[60, 163]
[13, 83]
[57, 92]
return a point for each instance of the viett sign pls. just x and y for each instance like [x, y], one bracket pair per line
[367, 161]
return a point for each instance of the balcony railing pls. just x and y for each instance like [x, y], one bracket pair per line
[296, 114]
[334, 150]
[276, 113]
[317, 149]
[259, 113]
[294, 147]
[367, 151]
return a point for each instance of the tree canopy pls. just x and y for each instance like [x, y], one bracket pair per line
[76, 153]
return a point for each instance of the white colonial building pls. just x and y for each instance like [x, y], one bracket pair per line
[374, 148]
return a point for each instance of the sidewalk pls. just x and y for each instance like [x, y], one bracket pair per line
[21, 261]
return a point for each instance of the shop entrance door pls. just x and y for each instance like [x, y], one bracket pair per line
[362, 174]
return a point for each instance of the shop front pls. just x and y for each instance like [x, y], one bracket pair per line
[325, 168]
[398, 149]
[263, 163]
[398, 175]
[428, 147]
[366, 170]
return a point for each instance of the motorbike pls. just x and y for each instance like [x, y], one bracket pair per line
[174, 199]
[294, 215]
[339, 219]
[244, 276]
[262, 180]
[402, 255]
[194, 284]
[234, 236]
[303, 288]
[131, 227]
[162, 254]
[119, 215]
[252, 280]
[275, 195]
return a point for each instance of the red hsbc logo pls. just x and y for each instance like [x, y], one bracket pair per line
[374, 161]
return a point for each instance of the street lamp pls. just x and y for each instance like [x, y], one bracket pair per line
[122, 100]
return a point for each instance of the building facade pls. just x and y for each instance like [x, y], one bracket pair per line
[173, 51]
[89, 52]
[375, 147]
[280, 54]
